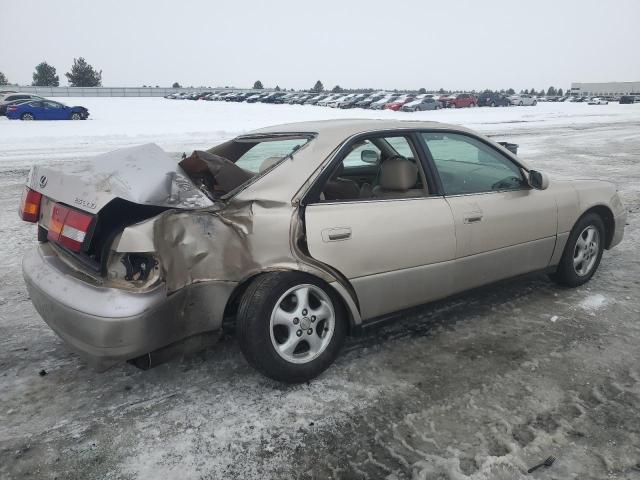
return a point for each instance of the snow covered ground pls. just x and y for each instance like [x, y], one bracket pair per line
[481, 386]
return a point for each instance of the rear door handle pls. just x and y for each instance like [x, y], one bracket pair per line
[473, 218]
[336, 234]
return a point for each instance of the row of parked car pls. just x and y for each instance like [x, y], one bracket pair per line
[385, 100]
[374, 101]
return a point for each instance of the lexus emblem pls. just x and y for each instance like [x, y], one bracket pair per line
[43, 181]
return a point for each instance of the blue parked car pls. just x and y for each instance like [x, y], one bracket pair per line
[46, 110]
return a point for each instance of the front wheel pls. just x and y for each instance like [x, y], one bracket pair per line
[291, 326]
[76, 116]
[28, 116]
[582, 253]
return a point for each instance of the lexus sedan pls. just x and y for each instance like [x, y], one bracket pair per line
[298, 235]
[46, 110]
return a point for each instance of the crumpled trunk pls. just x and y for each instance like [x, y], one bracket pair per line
[145, 175]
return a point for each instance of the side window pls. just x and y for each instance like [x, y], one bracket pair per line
[356, 158]
[52, 105]
[380, 167]
[466, 165]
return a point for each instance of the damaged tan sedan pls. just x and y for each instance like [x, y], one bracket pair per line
[296, 234]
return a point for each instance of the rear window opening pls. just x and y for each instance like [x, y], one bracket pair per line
[227, 167]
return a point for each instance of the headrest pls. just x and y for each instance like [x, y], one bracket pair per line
[398, 173]
[268, 162]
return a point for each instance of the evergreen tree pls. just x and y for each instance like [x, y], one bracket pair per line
[336, 89]
[83, 75]
[278, 88]
[176, 85]
[3, 79]
[45, 76]
[510, 91]
[422, 90]
[560, 92]
[318, 87]
[551, 91]
[257, 85]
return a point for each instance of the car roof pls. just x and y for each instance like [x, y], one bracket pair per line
[344, 128]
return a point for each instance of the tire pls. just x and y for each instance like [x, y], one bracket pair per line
[535, 102]
[520, 104]
[28, 116]
[473, 105]
[269, 317]
[76, 116]
[571, 272]
[493, 104]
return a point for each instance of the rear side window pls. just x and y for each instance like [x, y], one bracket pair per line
[266, 153]
[467, 165]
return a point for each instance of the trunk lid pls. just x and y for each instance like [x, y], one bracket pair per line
[144, 174]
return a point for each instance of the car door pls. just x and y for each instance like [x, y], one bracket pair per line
[36, 108]
[396, 251]
[503, 227]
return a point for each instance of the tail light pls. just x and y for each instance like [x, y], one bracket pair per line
[12, 108]
[30, 205]
[68, 227]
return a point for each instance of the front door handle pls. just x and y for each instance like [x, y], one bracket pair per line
[336, 234]
[475, 218]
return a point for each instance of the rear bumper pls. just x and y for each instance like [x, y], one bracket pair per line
[109, 325]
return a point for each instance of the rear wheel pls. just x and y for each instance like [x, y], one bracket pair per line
[472, 105]
[493, 104]
[535, 102]
[291, 326]
[582, 253]
[76, 116]
[28, 116]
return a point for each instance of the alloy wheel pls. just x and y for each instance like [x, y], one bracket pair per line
[585, 253]
[302, 323]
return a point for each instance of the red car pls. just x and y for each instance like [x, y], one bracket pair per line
[398, 103]
[459, 100]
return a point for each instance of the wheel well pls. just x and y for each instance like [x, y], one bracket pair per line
[607, 218]
[231, 309]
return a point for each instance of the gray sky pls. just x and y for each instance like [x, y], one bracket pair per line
[454, 44]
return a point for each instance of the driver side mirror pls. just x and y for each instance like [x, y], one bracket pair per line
[538, 180]
[369, 156]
